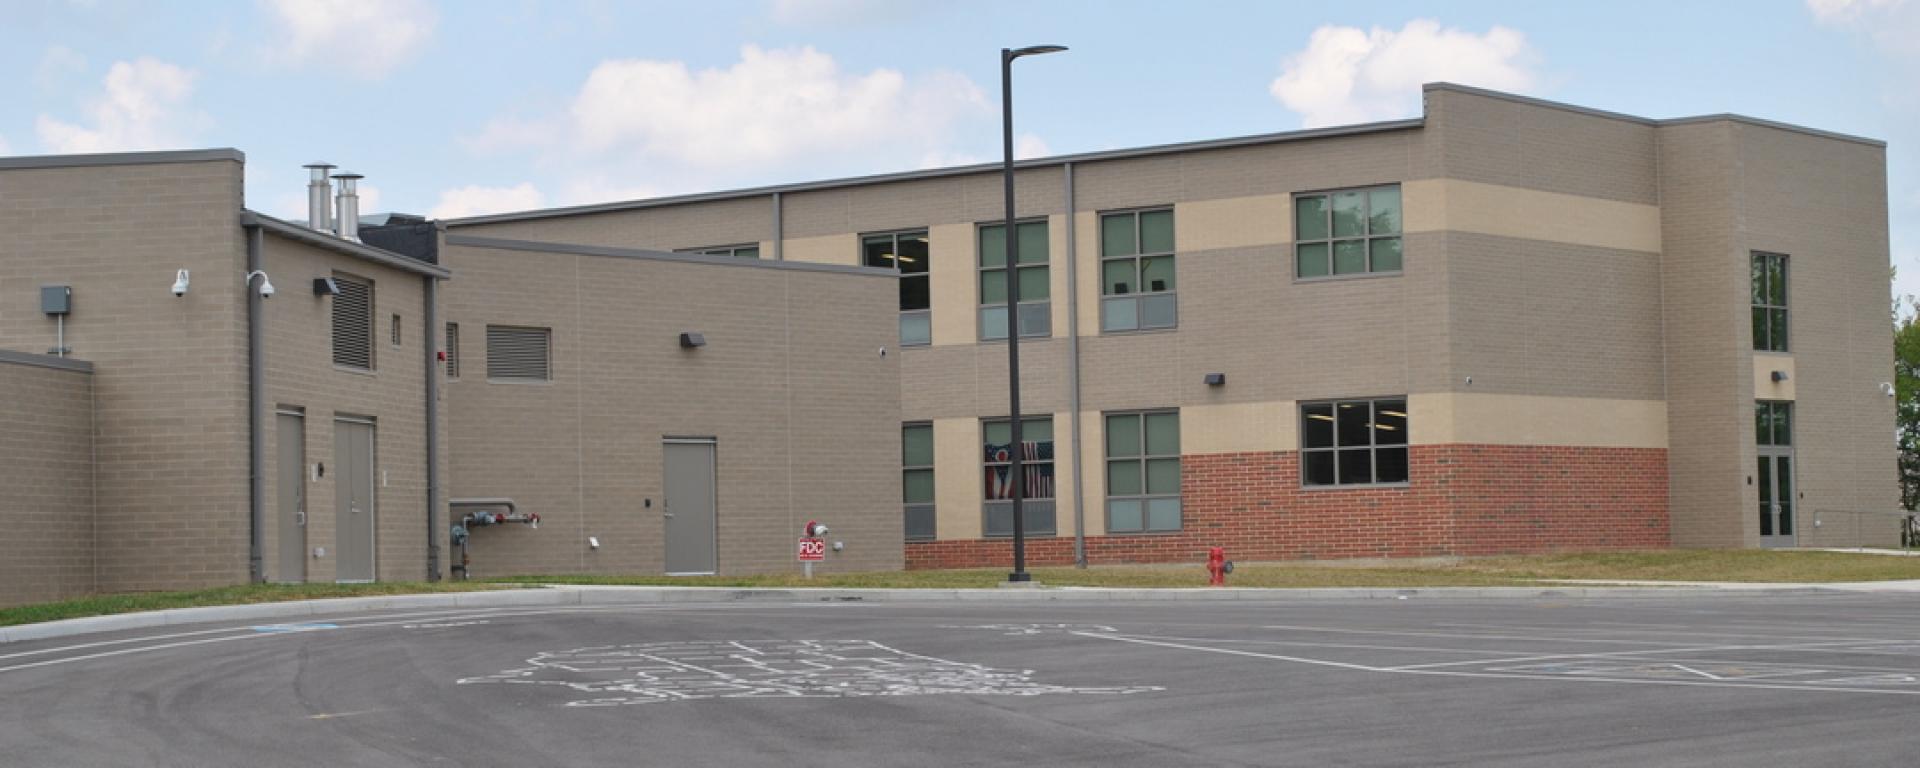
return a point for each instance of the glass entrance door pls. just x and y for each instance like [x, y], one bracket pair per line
[1773, 431]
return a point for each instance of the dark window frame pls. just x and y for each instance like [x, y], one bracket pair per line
[1772, 321]
[1138, 257]
[1374, 448]
[1332, 241]
[732, 251]
[910, 508]
[1144, 459]
[1051, 526]
[926, 275]
[1045, 306]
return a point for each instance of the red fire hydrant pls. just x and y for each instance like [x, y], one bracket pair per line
[1218, 566]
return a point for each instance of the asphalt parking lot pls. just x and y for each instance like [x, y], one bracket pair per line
[1702, 680]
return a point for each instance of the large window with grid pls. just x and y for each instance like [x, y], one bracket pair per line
[353, 323]
[1136, 271]
[1143, 472]
[906, 253]
[1031, 274]
[1353, 442]
[1347, 232]
[1036, 466]
[1769, 302]
[916, 480]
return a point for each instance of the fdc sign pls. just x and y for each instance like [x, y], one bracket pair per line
[812, 549]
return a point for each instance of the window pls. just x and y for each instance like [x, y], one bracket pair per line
[1353, 442]
[1036, 315]
[905, 252]
[1773, 422]
[353, 323]
[1136, 270]
[749, 251]
[519, 354]
[1351, 231]
[453, 350]
[1036, 465]
[396, 330]
[916, 480]
[1143, 472]
[1769, 302]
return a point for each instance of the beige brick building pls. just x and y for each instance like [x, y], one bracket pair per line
[1507, 325]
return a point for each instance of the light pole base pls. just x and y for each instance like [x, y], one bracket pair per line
[1018, 577]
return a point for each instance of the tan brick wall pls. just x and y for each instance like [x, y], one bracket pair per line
[170, 373]
[720, 222]
[791, 383]
[301, 376]
[46, 437]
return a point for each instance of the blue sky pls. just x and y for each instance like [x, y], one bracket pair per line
[481, 105]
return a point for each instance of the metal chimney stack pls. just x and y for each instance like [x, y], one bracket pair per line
[349, 228]
[320, 197]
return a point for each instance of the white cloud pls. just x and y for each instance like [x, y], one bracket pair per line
[1028, 146]
[1025, 146]
[143, 105]
[769, 107]
[1830, 11]
[57, 65]
[475, 200]
[5, 148]
[367, 37]
[846, 12]
[1349, 75]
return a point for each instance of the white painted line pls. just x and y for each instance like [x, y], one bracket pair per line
[1685, 668]
[1232, 652]
[1618, 654]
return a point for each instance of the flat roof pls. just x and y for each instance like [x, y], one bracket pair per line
[123, 158]
[574, 249]
[1148, 151]
[362, 251]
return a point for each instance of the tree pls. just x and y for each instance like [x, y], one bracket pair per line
[1906, 390]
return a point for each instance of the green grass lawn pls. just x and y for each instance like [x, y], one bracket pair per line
[1520, 570]
[101, 605]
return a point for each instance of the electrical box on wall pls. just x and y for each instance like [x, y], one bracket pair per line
[56, 299]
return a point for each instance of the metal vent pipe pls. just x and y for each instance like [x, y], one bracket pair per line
[320, 197]
[349, 228]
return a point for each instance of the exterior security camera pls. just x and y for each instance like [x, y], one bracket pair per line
[180, 284]
[1886, 387]
[266, 287]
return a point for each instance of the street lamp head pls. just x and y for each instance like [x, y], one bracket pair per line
[1034, 50]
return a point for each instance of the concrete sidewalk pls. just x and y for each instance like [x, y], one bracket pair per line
[563, 595]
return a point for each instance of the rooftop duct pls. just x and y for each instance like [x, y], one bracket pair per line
[320, 197]
[349, 225]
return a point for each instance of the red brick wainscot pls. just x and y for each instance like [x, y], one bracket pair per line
[1459, 500]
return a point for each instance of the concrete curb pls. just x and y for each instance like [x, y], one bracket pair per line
[563, 595]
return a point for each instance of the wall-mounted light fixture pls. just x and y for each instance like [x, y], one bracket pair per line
[1216, 379]
[180, 283]
[1779, 376]
[1886, 388]
[325, 286]
[692, 340]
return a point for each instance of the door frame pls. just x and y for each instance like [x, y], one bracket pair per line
[713, 496]
[373, 500]
[1771, 454]
[301, 494]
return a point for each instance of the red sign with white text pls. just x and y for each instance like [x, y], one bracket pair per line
[813, 549]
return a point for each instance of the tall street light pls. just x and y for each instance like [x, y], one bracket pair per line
[1016, 479]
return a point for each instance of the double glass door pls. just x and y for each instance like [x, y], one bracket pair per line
[1773, 427]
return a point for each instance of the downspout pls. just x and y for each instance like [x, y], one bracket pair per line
[256, 411]
[1073, 381]
[430, 295]
[779, 230]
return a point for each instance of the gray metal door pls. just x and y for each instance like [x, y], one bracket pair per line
[1777, 522]
[689, 508]
[290, 428]
[353, 520]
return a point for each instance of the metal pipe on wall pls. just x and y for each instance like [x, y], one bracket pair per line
[779, 230]
[430, 294]
[256, 411]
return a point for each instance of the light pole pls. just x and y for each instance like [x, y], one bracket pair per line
[1016, 479]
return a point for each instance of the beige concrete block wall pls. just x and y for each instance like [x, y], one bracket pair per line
[663, 228]
[46, 435]
[791, 385]
[170, 373]
[301, 376]
[1823, 202]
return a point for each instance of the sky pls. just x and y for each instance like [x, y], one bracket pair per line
[462, 107]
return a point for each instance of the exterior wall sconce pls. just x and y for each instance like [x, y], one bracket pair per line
[325, 286]
[1216, 379]
[692, 340]
[1779, 376]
